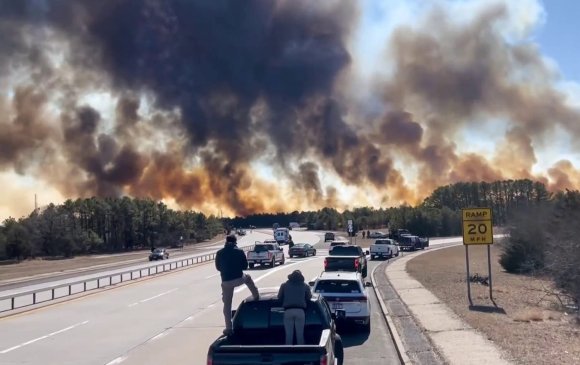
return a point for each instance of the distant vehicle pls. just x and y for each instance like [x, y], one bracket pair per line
[328, 236]
[378, 234]
[158, 254]
[266, 254]
[334, 244]
[347, 258]
[241, 232]
[302, 249]
[293, 225]
[412, 243]
[259, 338]
[398, 233]
[384, 248]
[282, 235]
[275, 226]
[346, 291]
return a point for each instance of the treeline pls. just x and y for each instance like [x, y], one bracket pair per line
[102, 226]
[545, 239]
[438, 215]
[120, 224]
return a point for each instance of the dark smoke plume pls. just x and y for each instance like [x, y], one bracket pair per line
[203, 89]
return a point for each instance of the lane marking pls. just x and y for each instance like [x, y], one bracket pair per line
[118, 360]
[153, 297]
[273, 271]
[43, 337]
[212, 276]
[158, 336]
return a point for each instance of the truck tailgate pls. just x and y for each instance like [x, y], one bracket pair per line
[262, 355]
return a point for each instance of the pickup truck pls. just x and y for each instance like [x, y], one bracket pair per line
[384, 248]
[347, 258]
[258, 335]
[266, 253]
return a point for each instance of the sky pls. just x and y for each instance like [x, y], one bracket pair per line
[376, 87]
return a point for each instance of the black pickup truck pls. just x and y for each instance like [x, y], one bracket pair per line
[412, 243]
[259, 338]
[347, 258]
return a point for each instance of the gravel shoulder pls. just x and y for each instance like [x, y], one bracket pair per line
[528, 326]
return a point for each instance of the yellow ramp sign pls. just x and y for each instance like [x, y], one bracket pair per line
[477, 226]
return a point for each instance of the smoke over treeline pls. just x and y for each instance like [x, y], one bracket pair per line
[203, 90]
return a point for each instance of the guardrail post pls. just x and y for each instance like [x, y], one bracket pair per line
[52, 294]
[98, 283]
[34, 298]
[13, 302]
[84, 286]
[69, 289]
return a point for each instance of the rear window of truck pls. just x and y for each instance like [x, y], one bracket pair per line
[337, 286]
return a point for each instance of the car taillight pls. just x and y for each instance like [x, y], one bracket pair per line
[325, 263]
[356, 263]
[324, 360]
[209, 360]
[360, 299]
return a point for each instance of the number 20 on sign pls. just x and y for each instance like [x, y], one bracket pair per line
[477, 226]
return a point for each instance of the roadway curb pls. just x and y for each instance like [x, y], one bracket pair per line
[401, 352]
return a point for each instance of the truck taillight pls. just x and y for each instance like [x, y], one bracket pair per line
[325, 263]
[269, 255]
[324, 360]
[209, 360]
[356, 263]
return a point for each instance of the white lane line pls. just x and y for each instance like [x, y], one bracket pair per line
[118, 360]
[273, 271]
[211, 305]
[153, 297]
[43, 337]
[158, 336]
[212, 276]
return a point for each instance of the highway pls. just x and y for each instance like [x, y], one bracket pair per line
[167, 319]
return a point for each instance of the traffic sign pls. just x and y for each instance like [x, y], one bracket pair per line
[477, 226]
[350, 225]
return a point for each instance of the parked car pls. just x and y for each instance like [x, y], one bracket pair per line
[412, 243]
[346, 291]
[334, 244]
[265, 254]
[158, 254]
[258, 335]
[328, 236]
[378, 234]
[384, 248]
[347, 258]
[302, 249]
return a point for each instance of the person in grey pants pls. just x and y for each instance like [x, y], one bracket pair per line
[294, 295]
[231, 262]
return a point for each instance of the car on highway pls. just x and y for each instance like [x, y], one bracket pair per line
[328, 236]
[302, 250]
[378, 234]
[241, 232]
[266, 253]
[158, 254]
[346, 291]
[385, 248]
[347, 258]
[412, 243]
[334, 244]
[282, 235]
[258, 335]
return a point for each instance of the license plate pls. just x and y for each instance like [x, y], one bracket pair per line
[336, 305]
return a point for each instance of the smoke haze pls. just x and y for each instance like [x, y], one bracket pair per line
[182, 100]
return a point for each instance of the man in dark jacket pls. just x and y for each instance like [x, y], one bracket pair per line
[231, 262]
[294, 295]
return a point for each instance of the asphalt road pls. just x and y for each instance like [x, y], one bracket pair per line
[169, 319]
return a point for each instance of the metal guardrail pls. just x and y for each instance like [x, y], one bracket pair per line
[81, 286]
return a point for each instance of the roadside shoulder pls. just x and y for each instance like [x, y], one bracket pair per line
[454, 340]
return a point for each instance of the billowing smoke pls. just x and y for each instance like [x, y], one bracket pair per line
[203, 90]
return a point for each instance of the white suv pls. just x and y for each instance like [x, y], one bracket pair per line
[346, 291]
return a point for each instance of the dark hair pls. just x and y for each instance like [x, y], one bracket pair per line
[231, 239]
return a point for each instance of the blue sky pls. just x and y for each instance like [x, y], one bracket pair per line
[559, 37]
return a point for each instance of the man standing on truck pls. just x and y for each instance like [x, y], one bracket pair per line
[294, 295]
[231, 262]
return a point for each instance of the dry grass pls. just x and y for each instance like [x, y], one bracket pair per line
[531, 330]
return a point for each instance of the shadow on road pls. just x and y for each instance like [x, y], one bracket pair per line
[352, 337]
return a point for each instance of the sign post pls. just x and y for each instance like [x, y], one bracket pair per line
[477, 227]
